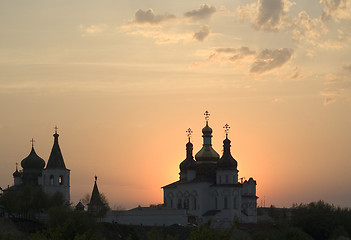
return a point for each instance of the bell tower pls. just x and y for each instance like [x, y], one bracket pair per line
[56, 177]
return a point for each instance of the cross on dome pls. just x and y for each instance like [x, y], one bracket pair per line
[32, 141]
[55, 129]
[189, 132]
[207, 116]
[226, 129]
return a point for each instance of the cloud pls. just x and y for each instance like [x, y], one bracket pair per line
[336, 9]
[148, 17]
[337, 87]
[232, 54]
[159, 35]
[205, 11]
[266, 14]
[93, 29]
[347, 68]
[202, 33]
[305, 27]
[258, 62]
[269, 59]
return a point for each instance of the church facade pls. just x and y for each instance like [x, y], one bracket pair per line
[53, 178]
[207, 189]
[208, 186]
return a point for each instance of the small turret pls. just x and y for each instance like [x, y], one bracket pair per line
[188, 165]
[227, 172]
[17, 177]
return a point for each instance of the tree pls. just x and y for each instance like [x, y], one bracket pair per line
[27, 201]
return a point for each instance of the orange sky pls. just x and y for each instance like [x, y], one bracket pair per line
[123, 81]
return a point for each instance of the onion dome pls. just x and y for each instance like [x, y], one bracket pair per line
[207, 153]
[189, 161]
[33, 161]
[56, 159]
[227, 161]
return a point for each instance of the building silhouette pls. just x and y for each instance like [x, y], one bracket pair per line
[208, 186]
[207, 189]
[53, 178]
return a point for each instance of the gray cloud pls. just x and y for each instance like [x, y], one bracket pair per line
[236, 53]
[269, 59]
[269, 13]
[205, 11]
[202, 33]
[266, 14]
[148, 16]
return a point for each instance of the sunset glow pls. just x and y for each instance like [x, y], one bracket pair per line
[124, 80]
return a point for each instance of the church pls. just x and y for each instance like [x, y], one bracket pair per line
[53, 178]
[208, 186]
[207, 189]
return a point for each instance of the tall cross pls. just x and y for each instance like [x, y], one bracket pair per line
[32, 141]
[55, 129]
[226, 129]
[207, 116]
[189, 132]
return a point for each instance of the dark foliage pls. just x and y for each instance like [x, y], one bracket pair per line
[27, 201]
[322, 220]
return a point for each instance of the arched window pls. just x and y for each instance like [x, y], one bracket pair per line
[52, 180]
[60, 180]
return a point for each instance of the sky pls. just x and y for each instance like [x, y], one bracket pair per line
[123, 81]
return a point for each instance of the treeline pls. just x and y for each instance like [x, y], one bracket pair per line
[316, 220]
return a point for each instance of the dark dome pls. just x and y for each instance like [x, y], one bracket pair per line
[207, 130]
[16, 174]
[227, 161]
[189, 161]
[33, 161]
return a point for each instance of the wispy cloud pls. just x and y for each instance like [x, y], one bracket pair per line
[205, 11]
[93, 29]
[337, 87]
[269, 59]
[258, 62]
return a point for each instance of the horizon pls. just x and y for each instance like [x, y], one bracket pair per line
[123, 81]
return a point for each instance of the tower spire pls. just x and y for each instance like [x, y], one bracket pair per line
[56, 159]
